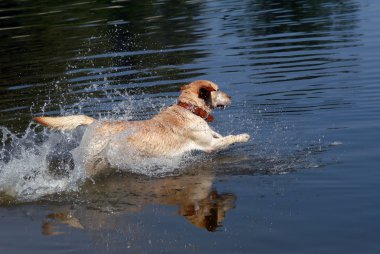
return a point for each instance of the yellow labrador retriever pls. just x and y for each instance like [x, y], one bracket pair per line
[176, 130]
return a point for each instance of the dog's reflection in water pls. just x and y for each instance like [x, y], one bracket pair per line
[116, 195]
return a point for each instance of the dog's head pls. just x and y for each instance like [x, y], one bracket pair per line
[204, 94]
[209, 212]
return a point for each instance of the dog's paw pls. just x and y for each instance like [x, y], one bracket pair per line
[243, 137]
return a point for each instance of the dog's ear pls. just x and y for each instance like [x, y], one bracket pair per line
[205, 94]
[211, 219]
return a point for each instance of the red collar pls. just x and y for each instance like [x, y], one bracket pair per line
[197, 111]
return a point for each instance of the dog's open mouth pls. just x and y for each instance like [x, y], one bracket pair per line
[221, 106]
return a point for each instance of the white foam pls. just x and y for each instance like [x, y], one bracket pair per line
[337, 143]
[24, 168]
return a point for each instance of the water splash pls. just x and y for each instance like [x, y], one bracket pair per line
[41, 162]
[24, 164]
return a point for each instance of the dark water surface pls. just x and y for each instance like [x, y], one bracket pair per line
[304, 78]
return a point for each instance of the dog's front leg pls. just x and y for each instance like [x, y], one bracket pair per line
[216, 135]
[224, 142]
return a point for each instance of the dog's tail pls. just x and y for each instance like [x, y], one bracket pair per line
[64, 122]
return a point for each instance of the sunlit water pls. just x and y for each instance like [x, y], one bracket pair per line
[303, 76]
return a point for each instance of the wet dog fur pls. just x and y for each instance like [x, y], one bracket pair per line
[180, 128]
